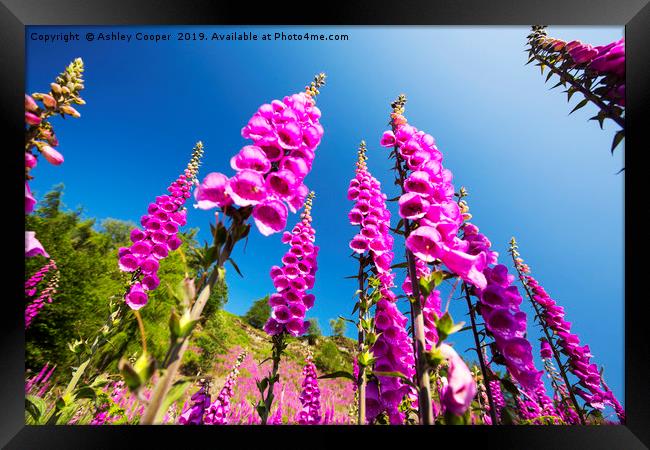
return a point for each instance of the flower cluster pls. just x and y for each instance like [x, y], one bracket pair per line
[159, 235]
[372, 216]
[497, 398]
[579, 356]
[458, 387]
[393, 350]
[552, 317]
[499, 306]
[271, 171]
[46, 295]
[217, 412]
[39, 132]
[41, 378]
[499, 302]
[200, 403]
[429, 202]
[32, 283]
[310, 396]
[560, 393]
[297, 274]
[606, 61]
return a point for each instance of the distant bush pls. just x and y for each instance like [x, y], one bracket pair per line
[329, 358]
[259, 313]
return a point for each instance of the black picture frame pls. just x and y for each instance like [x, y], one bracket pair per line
[15, 15]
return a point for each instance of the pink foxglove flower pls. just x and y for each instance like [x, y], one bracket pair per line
[393, 349]
[271, 169]
[200, 402]
[459, 388]
[429, 203]
[32, 246]
[218, 412]
[290, 303]
[553, 317]
[310, 396]
[159, 235]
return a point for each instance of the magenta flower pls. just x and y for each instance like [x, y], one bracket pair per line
[413, 206]
[30, 201]
[299, 266]
[285, 135]
[424, 242]
[393, 349]
[310, 396]
[246, 188]
[252, 158]
[460, 388]
[545, 350]
[200, 402]
[30, 160]
[211, 193]
[160, 234]
[32, 246]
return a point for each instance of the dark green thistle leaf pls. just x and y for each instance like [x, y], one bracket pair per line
[582, 103]
[618, 137]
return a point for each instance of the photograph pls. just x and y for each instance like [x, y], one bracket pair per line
[324, 225]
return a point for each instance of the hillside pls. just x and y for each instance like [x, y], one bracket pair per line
[330, 354]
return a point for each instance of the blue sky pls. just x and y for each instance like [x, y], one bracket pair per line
[532, 170]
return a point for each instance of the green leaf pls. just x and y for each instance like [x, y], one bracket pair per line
[570, 93]
[582, 103]
[548, 76]
[235, 266]
[446, 326]
[66, 414]
[75, 378]
[339, 374]
[618, 137]
[396, 374]
[36, 407]
[510, 387]
[85, 392]
[176, 392]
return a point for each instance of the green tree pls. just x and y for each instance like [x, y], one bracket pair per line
[259, 313]
[313, 332]
[338, 327]
[86, 257]
[329, 358]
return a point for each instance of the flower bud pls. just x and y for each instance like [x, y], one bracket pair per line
[55, 88]
[52, 156]
[48, 101]
[30, 104]
[30, 160]
[32, 119]
[69, 110]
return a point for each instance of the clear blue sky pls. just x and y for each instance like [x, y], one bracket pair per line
[532, 171]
